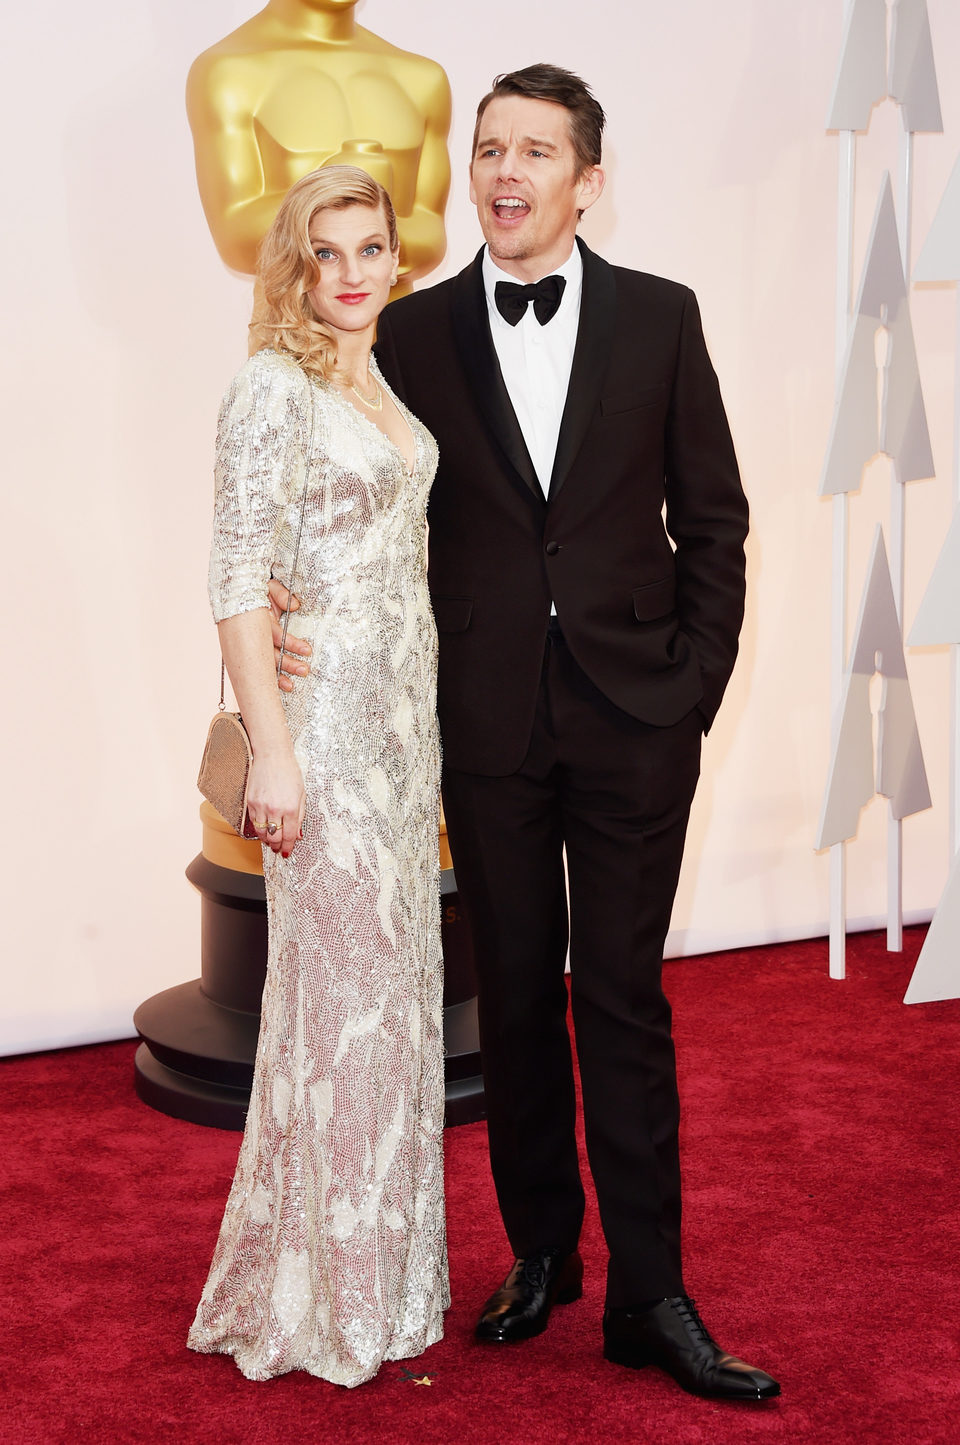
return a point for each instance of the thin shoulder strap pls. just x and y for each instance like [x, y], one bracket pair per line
[303, 508]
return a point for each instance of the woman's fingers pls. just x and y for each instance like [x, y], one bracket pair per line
[265, 823]
[295, 649]
[281, 600]
[276, 800]
[295, 652]
[278, 828]
[293, 665]
[275, 832]
[289, 833]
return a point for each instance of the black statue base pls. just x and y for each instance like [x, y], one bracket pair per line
[200, 1038]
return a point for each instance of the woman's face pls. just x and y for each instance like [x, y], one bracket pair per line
[357, 267]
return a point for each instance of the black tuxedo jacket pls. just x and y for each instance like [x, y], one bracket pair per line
[640, 542]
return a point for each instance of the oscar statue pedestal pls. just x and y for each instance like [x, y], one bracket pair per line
[200, 1038]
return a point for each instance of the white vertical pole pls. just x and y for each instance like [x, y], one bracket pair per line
[905, 194]
[841, 512]
[898, 523]
[955, 750]
[894, 825]
[838, 852]
[846, 185]
[954, 649]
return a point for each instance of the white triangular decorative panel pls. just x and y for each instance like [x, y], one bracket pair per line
[898, 773]
[901, 775]
[851, 782]
[937, 972]
[940, 257]
[938, 618]
[862, 72]
[878, 627]
[879, 410]
[913, 75]
[865, 76]
[855, 429]
[882, 284]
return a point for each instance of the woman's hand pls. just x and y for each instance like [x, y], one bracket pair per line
[276, 800]
[275, 796]
[295, 650]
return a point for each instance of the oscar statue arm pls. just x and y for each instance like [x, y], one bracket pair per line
[422, 235]
[230, 173]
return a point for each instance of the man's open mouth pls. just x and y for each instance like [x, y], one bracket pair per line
[510, 208]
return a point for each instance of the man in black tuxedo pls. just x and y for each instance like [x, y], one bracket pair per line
[581, 657]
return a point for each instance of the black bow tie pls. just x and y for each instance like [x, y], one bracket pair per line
[512, 298]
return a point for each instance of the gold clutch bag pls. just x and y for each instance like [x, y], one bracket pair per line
[225, 770]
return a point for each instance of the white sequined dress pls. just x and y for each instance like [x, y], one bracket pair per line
[332, 1251]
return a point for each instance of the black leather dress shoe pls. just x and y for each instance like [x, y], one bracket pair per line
[672, 1335]
[521, 1306]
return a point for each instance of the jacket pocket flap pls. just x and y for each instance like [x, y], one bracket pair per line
[654, 600]
[633, 400]
[452, 614]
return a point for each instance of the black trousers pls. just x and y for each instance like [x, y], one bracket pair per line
[616, 794]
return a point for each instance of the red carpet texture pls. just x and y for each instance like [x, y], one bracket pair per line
[822, 1235]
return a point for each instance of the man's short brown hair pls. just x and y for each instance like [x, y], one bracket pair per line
[550, 82]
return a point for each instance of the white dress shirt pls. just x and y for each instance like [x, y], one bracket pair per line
[535, 360]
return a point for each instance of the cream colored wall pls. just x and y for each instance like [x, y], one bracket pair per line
[123, 327]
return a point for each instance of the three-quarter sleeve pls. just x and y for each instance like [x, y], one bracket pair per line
[259, 466]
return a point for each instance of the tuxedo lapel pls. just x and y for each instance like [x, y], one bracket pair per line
[598, 308]
[480, 363]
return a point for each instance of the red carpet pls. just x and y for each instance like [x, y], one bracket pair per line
[822, 1232]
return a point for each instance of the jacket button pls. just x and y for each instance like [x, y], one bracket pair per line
[552, 548]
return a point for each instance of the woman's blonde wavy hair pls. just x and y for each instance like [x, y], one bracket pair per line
[287, 269]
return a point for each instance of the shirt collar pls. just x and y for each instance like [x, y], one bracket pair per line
[571, 271]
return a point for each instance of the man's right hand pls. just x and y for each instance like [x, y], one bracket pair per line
[295, 650]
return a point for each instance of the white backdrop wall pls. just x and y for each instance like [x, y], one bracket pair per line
[123, 328]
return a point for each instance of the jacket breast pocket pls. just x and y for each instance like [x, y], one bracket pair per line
[635, 400]
[452, 614]
[656, 600]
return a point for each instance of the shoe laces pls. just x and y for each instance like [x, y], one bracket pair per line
[534, 1271]
[688, 1313]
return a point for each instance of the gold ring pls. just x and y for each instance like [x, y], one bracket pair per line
[273, 828]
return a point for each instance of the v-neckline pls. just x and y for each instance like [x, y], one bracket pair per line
[411, 467]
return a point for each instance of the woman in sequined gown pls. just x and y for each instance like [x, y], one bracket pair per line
[331, 1256]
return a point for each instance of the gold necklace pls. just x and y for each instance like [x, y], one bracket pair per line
[374, 403]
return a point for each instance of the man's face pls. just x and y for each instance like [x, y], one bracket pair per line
[524, 185]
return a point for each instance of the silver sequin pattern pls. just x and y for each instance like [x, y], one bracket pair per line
[332, 1252]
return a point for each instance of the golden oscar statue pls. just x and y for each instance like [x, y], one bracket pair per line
[301, 84]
